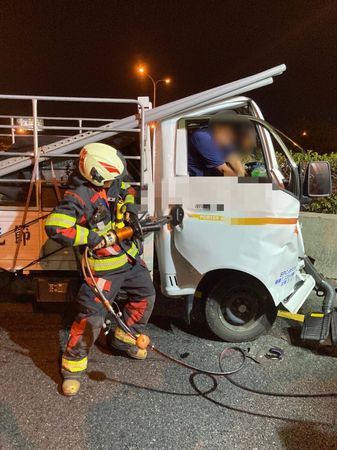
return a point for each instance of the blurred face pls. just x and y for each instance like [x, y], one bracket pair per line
[223, 135]
[248, 141]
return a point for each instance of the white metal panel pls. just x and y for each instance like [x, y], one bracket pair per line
[296, 300]
[181, 152]
[211, 239]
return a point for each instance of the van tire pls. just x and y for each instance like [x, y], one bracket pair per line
[239, 309]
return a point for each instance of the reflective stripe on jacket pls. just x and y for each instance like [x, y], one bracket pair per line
[85, 214]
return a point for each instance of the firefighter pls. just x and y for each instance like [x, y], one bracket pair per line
[89, 212]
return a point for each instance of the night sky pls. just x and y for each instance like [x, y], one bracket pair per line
[90, 48]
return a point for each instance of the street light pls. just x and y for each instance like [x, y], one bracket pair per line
[142, 71]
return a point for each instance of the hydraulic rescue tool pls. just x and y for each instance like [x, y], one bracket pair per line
[136, 229]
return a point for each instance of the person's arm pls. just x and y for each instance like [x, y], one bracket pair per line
[210, 153]
[226, 170]
[63, 224]
[128, 194]
[236, 165]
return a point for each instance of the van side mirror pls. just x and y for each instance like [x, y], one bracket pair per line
[317, 180]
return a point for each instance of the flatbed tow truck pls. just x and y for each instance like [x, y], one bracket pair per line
[239, 253]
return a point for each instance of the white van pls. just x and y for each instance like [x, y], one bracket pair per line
[238, 254]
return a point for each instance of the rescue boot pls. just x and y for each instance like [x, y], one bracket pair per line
[125, 343]
[71, 386]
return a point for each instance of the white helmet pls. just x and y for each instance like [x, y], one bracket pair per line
[100, 162]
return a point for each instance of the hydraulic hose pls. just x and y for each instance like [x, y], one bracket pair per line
[280, 394]
[117, 314]
[222, 356]
[87, 272]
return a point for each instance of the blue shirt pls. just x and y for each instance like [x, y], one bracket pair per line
[204, 155]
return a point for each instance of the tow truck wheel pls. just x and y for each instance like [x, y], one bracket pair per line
[239, 310]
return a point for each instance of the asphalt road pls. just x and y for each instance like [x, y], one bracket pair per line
[126, 404]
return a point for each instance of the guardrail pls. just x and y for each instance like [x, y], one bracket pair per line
[320, 241]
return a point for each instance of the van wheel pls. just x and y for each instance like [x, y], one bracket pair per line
[239, 310]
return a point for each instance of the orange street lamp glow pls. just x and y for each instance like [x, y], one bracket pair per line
[142, 70]
[304, 133]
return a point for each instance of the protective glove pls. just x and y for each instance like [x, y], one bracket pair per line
[130, 217]
[108, 240]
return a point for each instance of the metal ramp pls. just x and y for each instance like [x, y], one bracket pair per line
[133, 123]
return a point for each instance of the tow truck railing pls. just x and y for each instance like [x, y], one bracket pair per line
[19, 131]
[80, 128]
[78, 124]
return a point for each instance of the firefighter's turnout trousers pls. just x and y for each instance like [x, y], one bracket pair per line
[137, 284]
[84, 215]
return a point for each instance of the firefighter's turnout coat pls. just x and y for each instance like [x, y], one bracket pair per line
[86, 213]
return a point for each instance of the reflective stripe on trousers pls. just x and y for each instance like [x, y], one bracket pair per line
[74, 366]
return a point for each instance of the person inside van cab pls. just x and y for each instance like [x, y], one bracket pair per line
[247, 140]
[213, 149]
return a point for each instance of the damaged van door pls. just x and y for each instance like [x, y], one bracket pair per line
[241, 240]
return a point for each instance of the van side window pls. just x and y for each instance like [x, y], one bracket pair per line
[228, 149]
